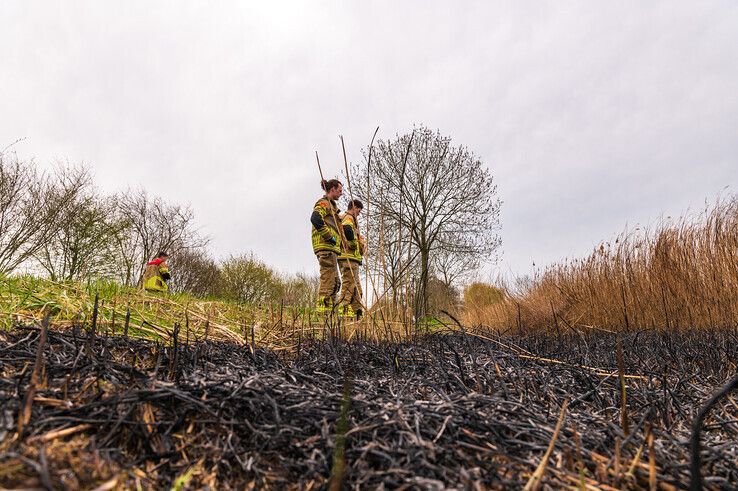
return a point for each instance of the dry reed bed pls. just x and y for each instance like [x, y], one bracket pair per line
[682, 274]
[451, 411]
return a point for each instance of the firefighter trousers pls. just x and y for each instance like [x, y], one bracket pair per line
[329, 280]
[350, 285]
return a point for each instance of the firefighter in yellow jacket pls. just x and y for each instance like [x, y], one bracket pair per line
[326, 238]
[349, 262]
[157, 274]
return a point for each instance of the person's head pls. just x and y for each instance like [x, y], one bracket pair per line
[162, 255]
[333, 188]
[354, 207]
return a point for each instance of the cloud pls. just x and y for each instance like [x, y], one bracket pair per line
[591, 115]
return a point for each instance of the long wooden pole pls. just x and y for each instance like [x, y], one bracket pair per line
[351, 194]
[356, 222]
[368, 206]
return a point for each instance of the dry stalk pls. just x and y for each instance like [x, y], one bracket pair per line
[25, 413]
[621, 377]
[535, 479]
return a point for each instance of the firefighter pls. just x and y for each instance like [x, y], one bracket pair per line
[349, 262]
[157, 274]
[327, 243]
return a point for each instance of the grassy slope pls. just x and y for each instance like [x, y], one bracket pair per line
[26, 298]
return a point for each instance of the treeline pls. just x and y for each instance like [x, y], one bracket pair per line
[431, 221]
[59, 225]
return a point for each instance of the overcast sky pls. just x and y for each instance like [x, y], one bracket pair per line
[590, 115]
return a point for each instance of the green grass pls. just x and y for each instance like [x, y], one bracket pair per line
[27, 299]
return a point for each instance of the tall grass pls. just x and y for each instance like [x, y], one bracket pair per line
[683, 274]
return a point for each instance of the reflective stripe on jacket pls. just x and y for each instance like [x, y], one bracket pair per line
[352, 251]
[329, 212]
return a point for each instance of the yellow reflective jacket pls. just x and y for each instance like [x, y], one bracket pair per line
[353, 250]
[329, 213]
[153, 278]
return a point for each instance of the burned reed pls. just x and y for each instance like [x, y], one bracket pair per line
[454, 410]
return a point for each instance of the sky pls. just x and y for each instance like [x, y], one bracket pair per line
[592, 115]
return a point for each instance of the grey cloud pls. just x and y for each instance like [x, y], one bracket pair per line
[591, 115]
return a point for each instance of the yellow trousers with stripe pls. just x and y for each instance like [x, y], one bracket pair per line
[329, 280]
[351, 293]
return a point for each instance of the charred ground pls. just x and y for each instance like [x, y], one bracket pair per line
[449, 410]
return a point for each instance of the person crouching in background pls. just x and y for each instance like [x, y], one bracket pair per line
[157, 274]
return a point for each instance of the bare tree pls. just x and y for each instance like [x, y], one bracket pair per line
[433, 197]
[300, 290]
[390, 252]
[442, 297]
[83, 243]
[196, 273]
[154, 225]
[451, 267]
[32, 207]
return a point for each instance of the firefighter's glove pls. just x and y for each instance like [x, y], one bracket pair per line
[166, 276]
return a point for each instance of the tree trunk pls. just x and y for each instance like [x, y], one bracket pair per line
[421, 297]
